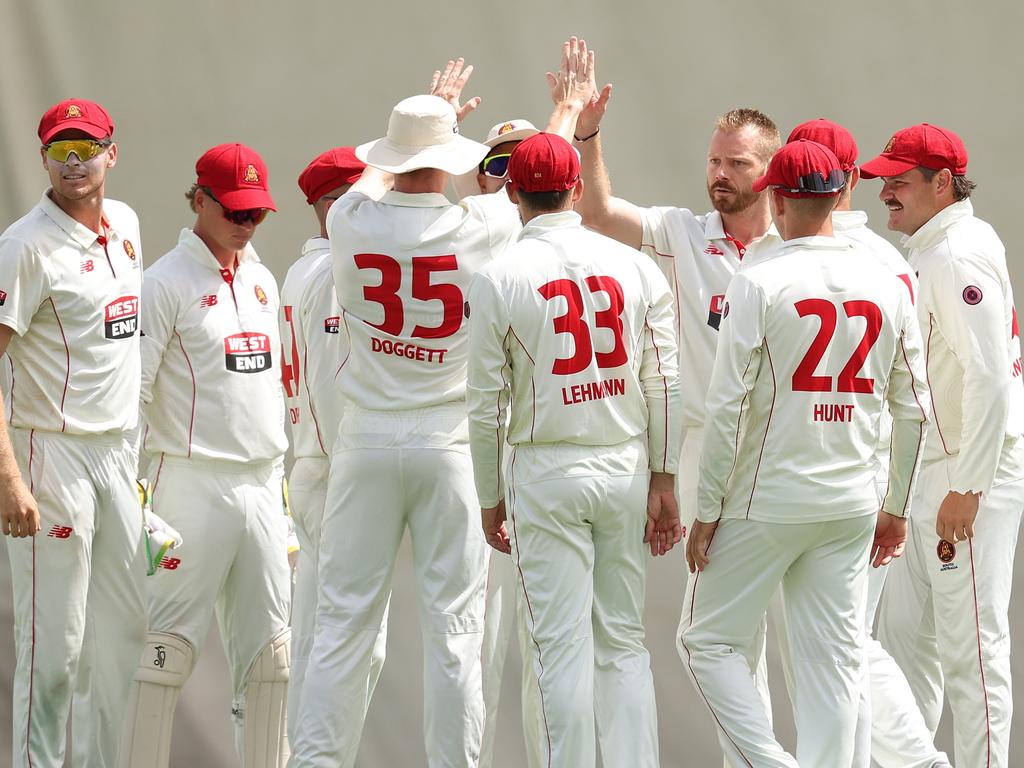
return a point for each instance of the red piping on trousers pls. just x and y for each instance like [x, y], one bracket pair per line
[529, 605]
[981, 666]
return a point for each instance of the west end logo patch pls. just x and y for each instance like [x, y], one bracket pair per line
[715, 310]
[121, 318]
[247, 352]
[332, 324]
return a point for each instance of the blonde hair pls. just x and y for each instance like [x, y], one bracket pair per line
[736, 119]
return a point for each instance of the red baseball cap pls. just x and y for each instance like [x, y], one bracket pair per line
[236, 175]
[803, 168]
[78, 115]
[920, 145]
[831, 135]
[544, 163]
[329, 171]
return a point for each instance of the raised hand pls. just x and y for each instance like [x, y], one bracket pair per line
[448, 84]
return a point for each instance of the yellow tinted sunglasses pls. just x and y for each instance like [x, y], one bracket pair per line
[84, 149]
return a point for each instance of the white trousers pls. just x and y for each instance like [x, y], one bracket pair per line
[233, 560]
[822, 568]
[577, 518]
[307, 494]
[390, 470]
[506, 616]
[944, 617]
[79, 604]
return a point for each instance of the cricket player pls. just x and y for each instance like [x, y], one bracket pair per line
[70, 280]
[313, 351]
[492, 173]
[211, 397]
[576, 331]
[814, 339]
[944, 611]
[402, 266]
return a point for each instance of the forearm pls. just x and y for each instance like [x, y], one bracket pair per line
[986, 407]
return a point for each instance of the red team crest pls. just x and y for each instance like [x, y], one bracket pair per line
[73, 110]
[261, 295]
[946, 551]
[251, 175]
[129, 249]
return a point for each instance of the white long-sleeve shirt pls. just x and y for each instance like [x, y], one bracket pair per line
[578, 331]
[814, 339]
[313, 350]
[72, 298]
[699, 258]
[402, 266]
[211, 386]
[972, 347]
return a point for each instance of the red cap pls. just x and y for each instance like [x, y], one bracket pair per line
[920, 145]
[329, 171]
[831, 135]
[77, 115]
[801, 169]
[236, 175]
[544, 163]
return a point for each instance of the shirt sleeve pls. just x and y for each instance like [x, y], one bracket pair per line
[967, 304]
[488, 389]
[659, 373]
[908, 398]
[159, 313]
[741, 340]
[24, 284]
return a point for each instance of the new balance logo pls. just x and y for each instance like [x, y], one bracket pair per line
[208, 301]
[170, 563]
[60, 532]
[714, 250]
[86, 267]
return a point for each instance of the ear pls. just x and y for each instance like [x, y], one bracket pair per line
[577, 192]
[943, 182]
[42, 154]
[480, 183]
[854, 177]
[112, 156]
[513, 195]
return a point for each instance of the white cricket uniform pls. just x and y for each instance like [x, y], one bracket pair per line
[401, 267]
[212, 400]
[699, 258]
[313, 351]
[577, 331]
[814, 339]
[72, 298]
[944, 612]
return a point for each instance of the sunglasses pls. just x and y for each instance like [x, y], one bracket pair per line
[84, 149]
[255, 215]
[816, 184]
[495, 166]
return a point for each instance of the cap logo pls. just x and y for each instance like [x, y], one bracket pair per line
[73, 110]
[129, 249]
[888, 146]
[946, 551]
[251, 175]
[261, 295]
[506, 128]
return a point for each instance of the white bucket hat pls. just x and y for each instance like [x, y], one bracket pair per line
[511, 130]
[422, 133]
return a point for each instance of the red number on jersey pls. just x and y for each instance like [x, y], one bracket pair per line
[386, 293]
[804, 379]
[290, 369]
[572, 322]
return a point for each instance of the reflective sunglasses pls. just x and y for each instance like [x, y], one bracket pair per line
[255, 215]
[84, 149]
[816, 184]
[495, 166]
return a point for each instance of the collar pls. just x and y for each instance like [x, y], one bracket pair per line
[547, 222]
[847, 221]
[818, 242]
[415, 199]
[316, 245]
[197, 249]
[714, 229]
[77, 231]
[933, 230]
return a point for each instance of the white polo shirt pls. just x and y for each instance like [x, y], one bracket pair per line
[402, 266]
[72, 298]
[578, 330]
[973, 347]
[211, 382]
[814, 340]
[699, 259]
[313, 348]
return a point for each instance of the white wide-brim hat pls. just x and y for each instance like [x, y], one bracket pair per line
[422, 133]
[511, 130]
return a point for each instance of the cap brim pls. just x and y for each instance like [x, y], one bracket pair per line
[517, 135]
[74, 125]
[760, 184]
[456, 157]
[885, 166]
[244, 199]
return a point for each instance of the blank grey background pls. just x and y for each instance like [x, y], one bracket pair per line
[294, 79]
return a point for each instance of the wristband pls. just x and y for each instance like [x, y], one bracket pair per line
[587, 138]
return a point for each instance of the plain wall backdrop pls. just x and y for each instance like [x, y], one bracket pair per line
[294, 79]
